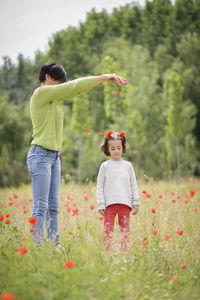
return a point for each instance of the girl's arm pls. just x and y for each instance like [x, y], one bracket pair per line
[134, 188]
[100, 189]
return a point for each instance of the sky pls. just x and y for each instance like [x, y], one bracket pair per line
[27, 25]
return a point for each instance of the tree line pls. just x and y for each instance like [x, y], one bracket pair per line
[157, 48]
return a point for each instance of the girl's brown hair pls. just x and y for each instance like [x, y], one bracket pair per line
[111, 136]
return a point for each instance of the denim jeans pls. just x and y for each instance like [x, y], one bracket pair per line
[45, 169]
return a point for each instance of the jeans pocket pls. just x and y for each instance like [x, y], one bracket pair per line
[33, 165]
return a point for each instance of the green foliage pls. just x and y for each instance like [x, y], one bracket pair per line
[13, 143]
[140, 43]
[180, 123]
[114, 97]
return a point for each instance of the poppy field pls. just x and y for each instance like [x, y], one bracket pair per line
[162, 260]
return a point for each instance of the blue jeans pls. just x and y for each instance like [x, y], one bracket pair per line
[45, 169]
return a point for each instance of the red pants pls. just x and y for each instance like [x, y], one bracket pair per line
[123, 212]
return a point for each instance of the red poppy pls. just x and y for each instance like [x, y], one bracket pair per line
[108, 134]
[23, 239]
[144, 192]
[31, 229]
[148, 195]
[23, 250]
[178, 197]
[25, 211]
[11, 203]
[154, 232]
[172, 193]
[192, 193]
[1, 217]
[186, 201]
[68, 209]
[145, 243]
[32, 220]
[168, 237]
[69, 264]
[75, 212]
[117, 92]
[88, 132]
[30, 200]
[7, 216]
[101, 218]
[91, 207]
[7, 222]
[180, 232]
[122, 134]
[160, 196]
[153, 210]
[183, 266]
[174, 278]
[195, 209]
[8, 296]
[100, 133]
[15, 196]
[173, 201]
[198, 200]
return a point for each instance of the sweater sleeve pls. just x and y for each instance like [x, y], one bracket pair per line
[64, 91]
[134, 188]
[100, 188]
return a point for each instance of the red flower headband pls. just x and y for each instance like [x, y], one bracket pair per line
[109, 133]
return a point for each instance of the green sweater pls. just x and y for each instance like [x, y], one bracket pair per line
[47, 112]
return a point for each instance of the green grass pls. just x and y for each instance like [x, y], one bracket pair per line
[143, 272]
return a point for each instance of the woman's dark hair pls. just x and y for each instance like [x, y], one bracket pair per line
[56, 72]
[104, 147]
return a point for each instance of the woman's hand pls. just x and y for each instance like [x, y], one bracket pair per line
[101, 212]
[116, 79]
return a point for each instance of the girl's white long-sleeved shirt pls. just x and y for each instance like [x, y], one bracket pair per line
[116, 184]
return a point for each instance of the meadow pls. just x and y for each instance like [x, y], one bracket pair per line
[162, 261]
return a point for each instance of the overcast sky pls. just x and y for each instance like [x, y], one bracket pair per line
[27, 25]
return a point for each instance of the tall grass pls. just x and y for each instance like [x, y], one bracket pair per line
[152, 268]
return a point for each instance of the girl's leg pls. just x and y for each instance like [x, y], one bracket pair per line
[53, 201]
[109, 219]
[123, 219]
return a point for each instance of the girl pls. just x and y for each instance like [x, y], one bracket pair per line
[44, 156]
[117, 191]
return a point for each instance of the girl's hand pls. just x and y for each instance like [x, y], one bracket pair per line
[101, 212]
[135, 209]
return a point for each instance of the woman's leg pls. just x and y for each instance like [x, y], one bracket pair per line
[40, 171]
[109, 220]
[53, 201]
[123, 220]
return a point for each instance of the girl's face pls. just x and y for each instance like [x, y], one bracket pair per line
[115, 149]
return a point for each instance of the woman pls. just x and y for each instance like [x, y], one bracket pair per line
[44, 156]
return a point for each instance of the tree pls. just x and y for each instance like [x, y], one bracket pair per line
[80, 124]
[114, 97]
[180, 143]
